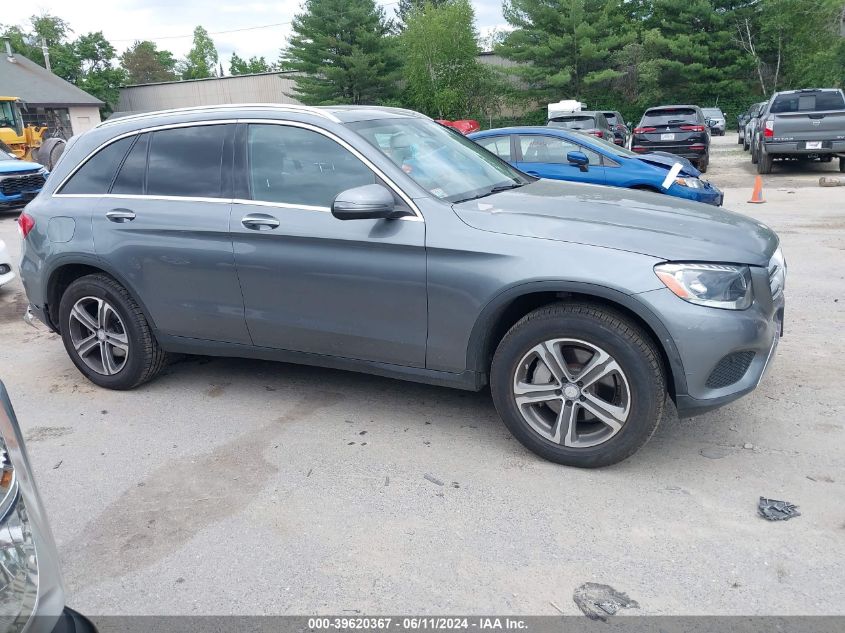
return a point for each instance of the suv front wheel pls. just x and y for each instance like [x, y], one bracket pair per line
[578, 384]
[106, 335]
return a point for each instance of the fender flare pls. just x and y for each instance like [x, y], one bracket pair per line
[84, 259]
[478, 346]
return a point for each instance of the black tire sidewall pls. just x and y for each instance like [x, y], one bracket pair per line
[132, 372]
[646, 386]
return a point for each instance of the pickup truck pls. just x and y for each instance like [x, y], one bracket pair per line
[801, 124]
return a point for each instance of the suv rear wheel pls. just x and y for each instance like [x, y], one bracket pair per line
[578, 384]
[106, 335]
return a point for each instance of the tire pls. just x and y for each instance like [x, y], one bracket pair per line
[745, 145]
[50, 152]
[754, 154]
[842, 164]
[585, 329]
[764, 162]
[114, 320]
[703, 165]
[740, 139]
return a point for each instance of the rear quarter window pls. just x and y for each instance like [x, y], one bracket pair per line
[96, 174]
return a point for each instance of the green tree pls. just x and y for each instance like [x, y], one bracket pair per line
[239, 66]
[202, 59]
[404, 8]
[145, 64]
[343, 52]
[99, 76]
[439, 44]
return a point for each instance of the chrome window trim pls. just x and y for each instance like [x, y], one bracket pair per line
[276, 107]
[416, 217]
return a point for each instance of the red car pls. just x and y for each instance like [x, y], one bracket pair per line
[464, 126]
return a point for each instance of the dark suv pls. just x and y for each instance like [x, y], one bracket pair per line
[376, 240]
[617, 124]
[677, 129]
[592, 123]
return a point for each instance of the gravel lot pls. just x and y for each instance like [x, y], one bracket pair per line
[245, 487]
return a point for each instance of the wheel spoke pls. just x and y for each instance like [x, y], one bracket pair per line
[108, 360]
[550, 354]
[565, 429]
[85, 346]
[526, 393]
[610, 414]
[84, 318]
[103, 309]
[600, 365]
[120, 341]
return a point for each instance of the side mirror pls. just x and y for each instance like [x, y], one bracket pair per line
[580, 159]
[368, 202]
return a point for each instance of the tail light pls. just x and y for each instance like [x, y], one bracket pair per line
[769, 131]
[25, 224]
[638, 149]
[697, 147]
[644, 130]
[597, 133]
[692, 128]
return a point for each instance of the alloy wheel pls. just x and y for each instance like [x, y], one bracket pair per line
[98, 335]
[572, 392]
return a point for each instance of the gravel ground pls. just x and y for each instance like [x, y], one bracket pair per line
[246, 487]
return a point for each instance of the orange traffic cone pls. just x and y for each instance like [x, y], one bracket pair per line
[757, 195]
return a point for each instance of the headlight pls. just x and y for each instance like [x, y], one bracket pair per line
[30, 584]
[43, 171]
[18, 562]
[715, 285]
[692, 183]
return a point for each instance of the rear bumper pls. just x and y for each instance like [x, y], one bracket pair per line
[686, 151]
[799, 148]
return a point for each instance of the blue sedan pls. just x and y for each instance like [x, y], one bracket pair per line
[20, 181]
[565, 155]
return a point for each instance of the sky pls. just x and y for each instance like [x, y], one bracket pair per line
[170, 23]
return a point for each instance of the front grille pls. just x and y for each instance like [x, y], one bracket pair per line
[21, 183]
[730, 369]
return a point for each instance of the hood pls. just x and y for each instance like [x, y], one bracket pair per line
[665, 227]
[665, 159]
[14, 166]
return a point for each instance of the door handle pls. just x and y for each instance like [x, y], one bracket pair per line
[120, 215]
[259, 222]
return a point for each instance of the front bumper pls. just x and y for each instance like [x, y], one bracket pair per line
[708, 194]
[705, 337]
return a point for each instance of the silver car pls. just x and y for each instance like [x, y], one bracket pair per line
[716, 120]
[32, 597]
[374, 239]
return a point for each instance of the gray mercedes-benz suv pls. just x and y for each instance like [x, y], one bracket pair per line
[374, 239]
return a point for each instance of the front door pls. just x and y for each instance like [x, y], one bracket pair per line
[546, 156]
[313, 283]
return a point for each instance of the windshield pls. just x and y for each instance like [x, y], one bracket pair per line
[611, 117]
[440, 160]
[712, 112]
[607, 146]
[809, 101]
[577, 122]
[8, 116]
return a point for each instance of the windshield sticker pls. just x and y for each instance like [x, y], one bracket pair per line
[437, 191]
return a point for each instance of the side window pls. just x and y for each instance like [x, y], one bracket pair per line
[186, 161]
[96, 175]
[547, 149]
[499, 145]
[298, 166]
[130, 179]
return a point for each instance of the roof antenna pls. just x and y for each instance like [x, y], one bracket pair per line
[9, 54]
[46, 52]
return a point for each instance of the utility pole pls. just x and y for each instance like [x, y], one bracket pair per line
[46, 52]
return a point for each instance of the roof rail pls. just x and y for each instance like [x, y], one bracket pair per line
[284, 107]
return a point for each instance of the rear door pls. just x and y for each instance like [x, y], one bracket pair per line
[814, 118]
[164, 227]
[501, 146]
[546, 157]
